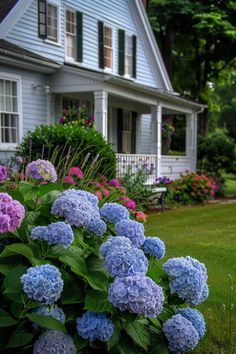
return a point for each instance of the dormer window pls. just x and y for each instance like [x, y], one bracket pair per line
[48, 20]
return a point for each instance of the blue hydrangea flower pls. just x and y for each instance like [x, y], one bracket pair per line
[93, 199]
[42, 169]
[188, 279]
[114, 212]
[154, 246]
[138, 294]
[181, 334]
[76, 210]
[125, 261]
[97, 226]
[94, 326]
[53, 311]
[58, 233]
[43, 283]
[196, 318]
[133, 230]
[52, 342]
[114, 242]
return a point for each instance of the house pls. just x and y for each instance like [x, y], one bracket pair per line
[101, 53]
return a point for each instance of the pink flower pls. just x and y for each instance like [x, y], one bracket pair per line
[69, 180]
[114, 182]
[124, 198]
[106, 192]
[140, 216]
[98, 185]
[44, 182]
[76, 171]
[62, 120]
[122, 189]
[98, 194]
[130, 204]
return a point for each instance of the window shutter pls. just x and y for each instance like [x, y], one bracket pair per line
[79, 17]
[42, 19]
[121, 46]
[133, 132]
[119, 129]
[134, 55]
[101, 44]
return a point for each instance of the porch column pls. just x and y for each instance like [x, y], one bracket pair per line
[156, 136]
[191, 138]
[100, 112]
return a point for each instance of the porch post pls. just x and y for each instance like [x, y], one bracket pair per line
[156, 136]
[100, 112]
[191, 138]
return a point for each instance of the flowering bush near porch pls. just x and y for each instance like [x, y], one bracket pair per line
[77, 277]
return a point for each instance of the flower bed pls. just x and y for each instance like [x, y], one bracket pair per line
[78, 275]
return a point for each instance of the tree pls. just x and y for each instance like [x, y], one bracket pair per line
[197, 40]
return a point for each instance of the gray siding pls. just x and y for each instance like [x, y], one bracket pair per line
[114, 13]
[145, 139]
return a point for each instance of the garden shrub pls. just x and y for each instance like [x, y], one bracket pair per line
[71, 283]
[193, 189]
[55, 142]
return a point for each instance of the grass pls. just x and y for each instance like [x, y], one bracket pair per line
[207, 233]
[230, 185]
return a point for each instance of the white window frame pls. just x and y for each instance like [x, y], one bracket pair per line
[128, 75]
[56, 4]
[106, 68]
[17, 79]
[66, 56]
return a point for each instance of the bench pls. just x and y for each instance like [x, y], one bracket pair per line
[157, 196]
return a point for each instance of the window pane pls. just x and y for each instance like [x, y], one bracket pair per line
[8, 107]
[1, 87]
[7, 87]
[52, 23]
[14, 88]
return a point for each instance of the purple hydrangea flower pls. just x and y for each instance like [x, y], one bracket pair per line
[94, 326]
[134, 230]
[138, 294]
[114, 212]
[189, 278]
[52, 342]
[196, 318]
[154, 246]
[53, 311]
[114, 242]
[3, 173]
[97, 226]
[58, 233]
[42, 169]
[12, 213]
[181, 334]
[125, 261]
[43, 283]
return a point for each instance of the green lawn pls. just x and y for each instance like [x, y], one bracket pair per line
[207, 233]
[230, 185]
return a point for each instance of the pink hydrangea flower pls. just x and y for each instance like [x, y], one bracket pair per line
[76, 171]
[130, 204]
[114, 182]
[69, 180]
[98, 194]
[12, 213]
[140, 216]
[106, 192]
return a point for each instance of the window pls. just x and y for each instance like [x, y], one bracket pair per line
[107, 47]
[128, 55]
[71, 34]
[48, 20]
[126, 132]
[52, 23]
[9, 111]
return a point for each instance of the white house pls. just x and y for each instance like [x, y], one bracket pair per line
[102, 53]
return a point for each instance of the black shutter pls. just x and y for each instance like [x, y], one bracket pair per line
[134, 38]
[133, 132]
[101, 44]
[121, 46]
[42, 19]
[79, 17]
[119, 129]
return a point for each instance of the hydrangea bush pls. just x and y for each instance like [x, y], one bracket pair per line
[80, 276]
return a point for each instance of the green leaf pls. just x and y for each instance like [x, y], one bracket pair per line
[13, 286]
[6, 320]
[5, 268]
[158, 345]
[80, 343]
[115, 339]
[50, 187]
[138, 333]
[155, 271]
[125, 347]
[97, 280]
[72, 290]
[28, 190]
[18, 248]
[19, 338]
[97, 301]
[46, 322]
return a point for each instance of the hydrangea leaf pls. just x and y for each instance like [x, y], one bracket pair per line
[18, 248]
[28, 190]
[5, 268]
[50, 187]
[80, 343]
[115, 339]
[138, 333]
[5, 319]
[97, 301]
[155, 271]
[13, 286]
[46, 322]
[19, 338]
[97, 280]
[72, 290]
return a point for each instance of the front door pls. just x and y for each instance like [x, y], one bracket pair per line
[126, 131]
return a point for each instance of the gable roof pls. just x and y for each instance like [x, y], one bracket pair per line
[5, 7]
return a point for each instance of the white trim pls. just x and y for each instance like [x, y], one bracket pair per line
[17, 78]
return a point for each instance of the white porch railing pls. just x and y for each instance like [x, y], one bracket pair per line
[171, 166]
